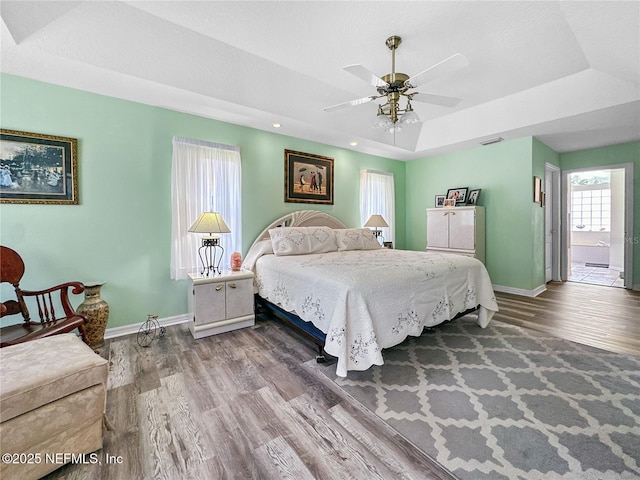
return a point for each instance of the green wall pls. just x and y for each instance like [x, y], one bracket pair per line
[504, 173]
[120, 232]
[614, 155]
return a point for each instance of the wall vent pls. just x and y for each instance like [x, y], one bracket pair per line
[493, 140]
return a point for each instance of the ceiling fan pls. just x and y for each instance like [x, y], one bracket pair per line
[395, 85]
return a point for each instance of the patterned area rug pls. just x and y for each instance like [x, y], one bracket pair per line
[508, 403]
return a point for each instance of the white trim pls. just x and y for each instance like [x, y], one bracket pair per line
[134, 327]
[554, 207]
[519, 291]
[628, 224]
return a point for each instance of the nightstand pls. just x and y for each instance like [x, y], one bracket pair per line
[220, 303]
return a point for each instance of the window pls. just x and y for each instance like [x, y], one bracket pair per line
[591, 210]
[377, 196]
[591, 201]
[205, 177]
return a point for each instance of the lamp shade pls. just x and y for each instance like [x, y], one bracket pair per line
[376, 221]
[209, 222]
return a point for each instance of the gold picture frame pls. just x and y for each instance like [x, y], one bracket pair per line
[308, 178]
[38, 168]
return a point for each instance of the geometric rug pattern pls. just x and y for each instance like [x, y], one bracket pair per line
[507, 403]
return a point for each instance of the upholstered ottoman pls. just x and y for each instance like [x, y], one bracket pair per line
[52, 403]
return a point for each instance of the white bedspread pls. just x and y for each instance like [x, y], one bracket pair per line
[367, 300]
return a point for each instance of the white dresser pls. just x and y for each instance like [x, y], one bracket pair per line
[456, 230]
[220, 303]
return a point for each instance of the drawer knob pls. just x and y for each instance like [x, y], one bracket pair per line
[232, 285]
[218, 288]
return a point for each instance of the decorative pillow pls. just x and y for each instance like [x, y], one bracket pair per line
[302, 240]
[356, 239]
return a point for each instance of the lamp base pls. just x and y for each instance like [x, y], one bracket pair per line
[208, 254]
[378, 235]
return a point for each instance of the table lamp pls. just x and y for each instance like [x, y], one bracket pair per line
[211, 223]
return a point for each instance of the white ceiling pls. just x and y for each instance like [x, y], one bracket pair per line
[567, 73]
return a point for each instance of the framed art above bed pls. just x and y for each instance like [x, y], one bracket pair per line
[308, 178]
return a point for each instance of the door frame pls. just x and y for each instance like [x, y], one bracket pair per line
[628, 218]
[553, 207]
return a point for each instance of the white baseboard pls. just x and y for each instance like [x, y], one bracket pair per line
[519, 291]
[133, 328]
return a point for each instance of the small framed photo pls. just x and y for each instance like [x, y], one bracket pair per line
[449, 202]
[458, 194]
[473, 197]
[38, 168]
[537, 189]
[387, 245]
[440, 201]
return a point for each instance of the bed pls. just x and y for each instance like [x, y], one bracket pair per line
[354, 297]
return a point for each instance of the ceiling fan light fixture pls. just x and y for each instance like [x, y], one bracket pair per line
[394, 128]
[409, 118]
[382, 121]
[396, 85]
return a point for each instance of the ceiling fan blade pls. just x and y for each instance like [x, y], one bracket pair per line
[352, 103]
[447, 66]
[364, 74]
[435, 99]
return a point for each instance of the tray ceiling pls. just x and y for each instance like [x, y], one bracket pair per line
[567, 73]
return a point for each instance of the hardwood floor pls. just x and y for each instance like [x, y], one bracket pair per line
[244, 405]
[239, 405]
[602, 317]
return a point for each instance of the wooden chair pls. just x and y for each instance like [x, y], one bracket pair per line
[11, 271]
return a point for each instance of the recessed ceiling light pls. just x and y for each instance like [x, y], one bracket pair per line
[276, 125]
[353, 144]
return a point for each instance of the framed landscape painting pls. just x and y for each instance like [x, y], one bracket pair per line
[38, 168]
[308, 178]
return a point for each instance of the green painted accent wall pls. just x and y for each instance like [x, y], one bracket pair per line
[614, 155]
[504, 173]
[120, 232]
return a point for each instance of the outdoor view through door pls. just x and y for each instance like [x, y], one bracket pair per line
[596, 231]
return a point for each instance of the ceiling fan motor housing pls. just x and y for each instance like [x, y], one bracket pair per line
[395, 83]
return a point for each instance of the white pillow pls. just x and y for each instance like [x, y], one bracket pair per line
[263, 247]
[356, 239]
[302, 240]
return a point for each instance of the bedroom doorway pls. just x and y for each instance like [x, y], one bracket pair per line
[598, 214]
